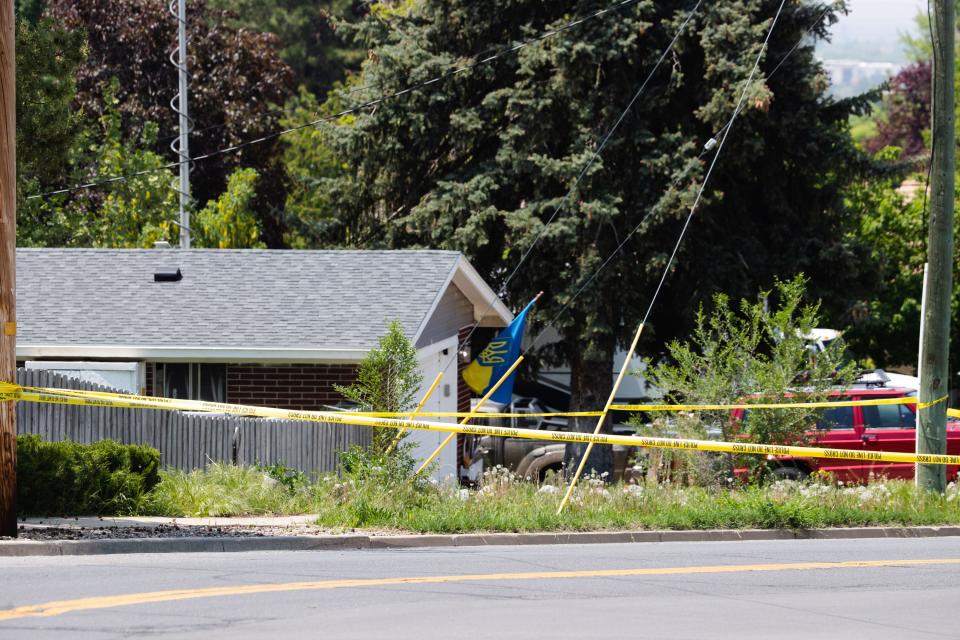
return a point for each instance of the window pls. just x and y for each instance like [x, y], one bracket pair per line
[908, 417]
[836, 418]
[885, 416]
[192, 381]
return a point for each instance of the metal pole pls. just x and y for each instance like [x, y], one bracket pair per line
[934, 369]
[8, 255]
[183, 146]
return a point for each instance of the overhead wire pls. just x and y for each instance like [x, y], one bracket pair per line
[713, 164]
[706, 149]
[585, 455]
[583, 171]
[452, 71]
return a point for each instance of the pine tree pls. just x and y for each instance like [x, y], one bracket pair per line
[479, 161]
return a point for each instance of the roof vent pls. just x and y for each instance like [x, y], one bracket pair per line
[161, 244]
[167, 275]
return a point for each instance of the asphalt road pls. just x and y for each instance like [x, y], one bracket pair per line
[904, 588]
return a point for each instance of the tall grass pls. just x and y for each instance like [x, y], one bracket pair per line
[225, 490]
[503, 503]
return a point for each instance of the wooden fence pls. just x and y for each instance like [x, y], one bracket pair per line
[187, 440]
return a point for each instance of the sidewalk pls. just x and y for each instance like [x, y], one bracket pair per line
[90, 522]
[92, 535]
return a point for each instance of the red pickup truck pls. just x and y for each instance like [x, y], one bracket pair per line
[872, 428]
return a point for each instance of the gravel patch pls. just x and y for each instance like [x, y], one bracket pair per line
[27, 532]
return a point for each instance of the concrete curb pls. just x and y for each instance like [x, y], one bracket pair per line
[17, 548]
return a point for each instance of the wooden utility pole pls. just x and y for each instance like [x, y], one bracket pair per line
[934, 367]
[8, 246]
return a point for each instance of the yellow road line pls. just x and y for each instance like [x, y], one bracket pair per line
[60, 607]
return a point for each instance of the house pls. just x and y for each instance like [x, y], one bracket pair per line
[260, 327]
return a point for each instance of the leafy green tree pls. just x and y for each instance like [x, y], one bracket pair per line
[479, 161]
[238, 84]
[127, 213]
[229, 222]
[307, 30]
[310, 164]
[387, 380]
[891, 219]
[755, 352]
[130, 213]
[886, 325]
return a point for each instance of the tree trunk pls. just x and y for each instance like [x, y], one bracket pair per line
[591, 380]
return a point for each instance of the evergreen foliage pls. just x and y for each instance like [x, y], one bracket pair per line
[47, 125]
[480, 162]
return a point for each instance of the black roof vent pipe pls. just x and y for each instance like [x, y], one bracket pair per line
[167, 275]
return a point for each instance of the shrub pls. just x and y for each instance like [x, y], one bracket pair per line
[69, 478]
[753, 352]
[387, 380]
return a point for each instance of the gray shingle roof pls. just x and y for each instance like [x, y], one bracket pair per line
[227, 298]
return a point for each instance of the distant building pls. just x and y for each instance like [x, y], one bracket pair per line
[851, 77]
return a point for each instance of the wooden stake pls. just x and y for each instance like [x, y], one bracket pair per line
[603, 416]
[483, 400]
[433, 387]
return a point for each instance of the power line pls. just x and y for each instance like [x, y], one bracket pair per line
[365, 105]
[583, 172]
[713, 163]
[711, 144]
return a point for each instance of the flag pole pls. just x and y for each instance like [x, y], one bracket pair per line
[483, 400]
[416, 411]
[603, 416]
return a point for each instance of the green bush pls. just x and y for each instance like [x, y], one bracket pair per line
[69, 478]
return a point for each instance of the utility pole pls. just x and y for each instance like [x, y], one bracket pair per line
[934, 367]
[8, 254]
[182, 145]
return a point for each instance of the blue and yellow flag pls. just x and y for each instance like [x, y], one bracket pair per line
[498, 356]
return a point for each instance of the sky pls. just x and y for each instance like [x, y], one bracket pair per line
[878, 18]
[872, 29]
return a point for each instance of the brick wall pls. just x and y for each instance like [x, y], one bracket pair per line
[297, 386]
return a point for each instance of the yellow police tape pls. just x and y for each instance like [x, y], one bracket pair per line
[6, 388]
[99, 399]
[783, 405]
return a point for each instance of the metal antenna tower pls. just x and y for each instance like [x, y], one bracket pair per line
[181, 146]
